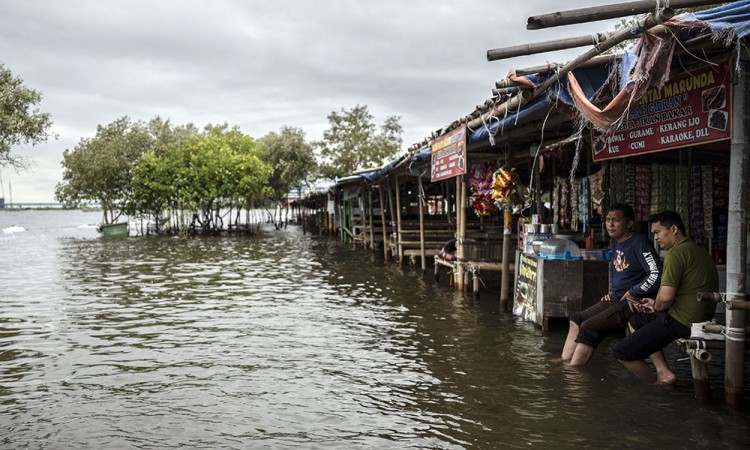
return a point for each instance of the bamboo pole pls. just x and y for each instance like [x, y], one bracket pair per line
[737, 235]
[605, 12]
[383, 223]
[518, 101]
[505, 281]
[505, 83]
[554, 67]
[420, 205]
[511, 104]
[372, 223]
[701, 382]
[398, 224]
[461, 284]
[497, 54]
[391, 209]
[513, 90]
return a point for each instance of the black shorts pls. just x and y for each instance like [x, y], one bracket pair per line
[599, 320]
[652, 333]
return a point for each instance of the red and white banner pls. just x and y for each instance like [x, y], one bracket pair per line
[449, 155]
[690, 109]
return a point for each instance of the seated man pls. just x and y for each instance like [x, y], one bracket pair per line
[448, 252]
[688, 269]
[634, 273]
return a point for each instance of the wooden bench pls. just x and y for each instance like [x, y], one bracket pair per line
[441, 262]
[475, 267]
[413, 254]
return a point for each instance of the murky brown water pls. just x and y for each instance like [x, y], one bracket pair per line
[292, 341]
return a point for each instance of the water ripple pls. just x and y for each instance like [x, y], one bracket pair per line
[285, 341]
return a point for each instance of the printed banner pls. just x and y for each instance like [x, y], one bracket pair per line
[449, 155]
[690, 109]
[525, 304]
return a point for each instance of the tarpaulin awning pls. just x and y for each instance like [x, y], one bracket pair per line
[648, 63]
[590, 79]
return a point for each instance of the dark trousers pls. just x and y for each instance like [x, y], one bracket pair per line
[601, 319]
[652, 333]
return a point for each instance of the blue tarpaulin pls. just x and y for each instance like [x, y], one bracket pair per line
[729, 22]
[591, 80]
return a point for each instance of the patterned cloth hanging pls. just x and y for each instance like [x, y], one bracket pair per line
[708, 201]
[597, 191]
[642, 204]
[682, 195]
[575, 192]
[630, 184]
[697, 226]
[616, 183]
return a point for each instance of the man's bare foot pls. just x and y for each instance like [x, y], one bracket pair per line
[665, 377]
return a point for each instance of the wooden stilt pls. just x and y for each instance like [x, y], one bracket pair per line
[460, 231]
[383, 223]
[505, 282]
[392, 211]
[739, 167]
[398, 225]
[701, 383]
[371, 228]
[420, 204]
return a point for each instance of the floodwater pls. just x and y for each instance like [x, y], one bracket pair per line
[291, 341]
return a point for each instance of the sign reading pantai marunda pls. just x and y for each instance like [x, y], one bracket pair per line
[449, 155]
[690, 109]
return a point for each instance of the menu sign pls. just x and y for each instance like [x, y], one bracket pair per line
[449, 155]
[690, 109]
[525, 303]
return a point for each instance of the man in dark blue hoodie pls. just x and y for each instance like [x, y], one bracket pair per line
[634, 274]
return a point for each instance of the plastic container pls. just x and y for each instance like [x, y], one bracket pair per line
[559, 249]
[597, 255]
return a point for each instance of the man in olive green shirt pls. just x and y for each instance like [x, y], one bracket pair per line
[688, 269]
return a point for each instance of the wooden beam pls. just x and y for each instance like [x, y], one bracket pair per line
[496, 54]
[553, 67]
[506, 83]
[605, 12]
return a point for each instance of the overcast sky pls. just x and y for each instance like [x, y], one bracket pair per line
[260, 65]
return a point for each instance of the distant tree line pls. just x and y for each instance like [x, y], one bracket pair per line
[186, 179]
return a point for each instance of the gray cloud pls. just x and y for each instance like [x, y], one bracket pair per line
[258, 65]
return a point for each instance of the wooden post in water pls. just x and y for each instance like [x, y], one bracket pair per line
[701, 384]
[393, 218]
[461, 284]
[383, 224]
[737, 238]
[372, 222]
[420, 205]
[505, 282]
[398, 225]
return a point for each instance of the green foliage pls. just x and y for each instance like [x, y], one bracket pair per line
[292, 159]
[21, 123]
[354, 142]
[216, 169]
[100, 169]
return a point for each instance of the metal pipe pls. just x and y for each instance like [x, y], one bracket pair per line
[700, 354]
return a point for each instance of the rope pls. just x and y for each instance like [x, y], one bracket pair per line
[734, 334]
[490, 135]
